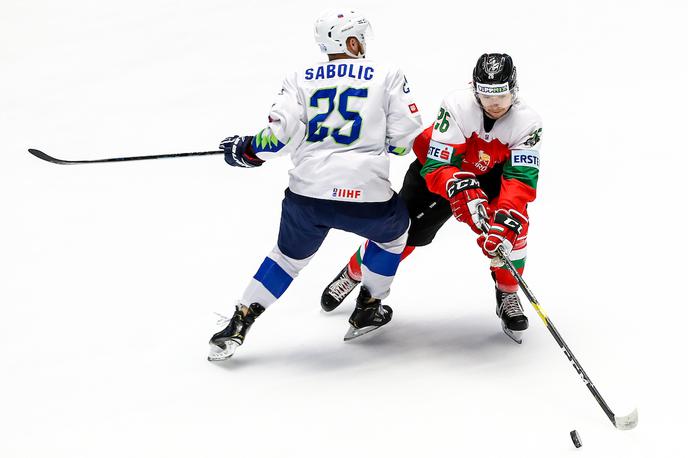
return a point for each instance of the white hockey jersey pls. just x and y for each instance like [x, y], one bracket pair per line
[346, 116]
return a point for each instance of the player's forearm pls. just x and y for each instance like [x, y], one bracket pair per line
[401, 137]
[266, 144]
[515, 195]
[437, 175]
[443, 160]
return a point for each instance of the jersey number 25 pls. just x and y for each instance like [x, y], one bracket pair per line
[317, 132]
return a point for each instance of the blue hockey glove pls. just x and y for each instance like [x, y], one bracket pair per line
[238, 152]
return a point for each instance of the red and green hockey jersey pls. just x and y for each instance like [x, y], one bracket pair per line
[458, 140]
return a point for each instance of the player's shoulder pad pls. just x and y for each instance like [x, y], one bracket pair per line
[295, 76]
[462, 107]
[525, 116]
[383, 69]
[380, 66]
[526, 126]
[460, 101]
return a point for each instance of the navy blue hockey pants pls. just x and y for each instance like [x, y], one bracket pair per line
[304, 225]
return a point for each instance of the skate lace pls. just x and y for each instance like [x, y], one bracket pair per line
[222, 319]
[511, 306]
[343, 286]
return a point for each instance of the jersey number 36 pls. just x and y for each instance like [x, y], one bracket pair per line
[317, 132]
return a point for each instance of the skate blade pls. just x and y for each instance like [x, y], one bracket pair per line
[355, 333]
[629, 421]
[516, 336]
[220, 354]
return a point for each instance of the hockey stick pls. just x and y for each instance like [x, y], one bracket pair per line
[629, 421]
[41, 155]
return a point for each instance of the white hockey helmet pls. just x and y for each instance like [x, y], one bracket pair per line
[333, 27]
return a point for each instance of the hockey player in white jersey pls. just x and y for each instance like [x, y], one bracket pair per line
[342, 119]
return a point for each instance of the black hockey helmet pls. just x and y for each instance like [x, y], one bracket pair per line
[494, 74]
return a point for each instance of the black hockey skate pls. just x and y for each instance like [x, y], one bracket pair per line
[337, 290]
[224, 343]
[368, 315]
[510, 311]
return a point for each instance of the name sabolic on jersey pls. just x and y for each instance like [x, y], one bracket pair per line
[459, 140]
[341, 119]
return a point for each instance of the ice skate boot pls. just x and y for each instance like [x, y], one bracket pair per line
[337, 290]
[510, 311]
[224, 343]
[368, 316]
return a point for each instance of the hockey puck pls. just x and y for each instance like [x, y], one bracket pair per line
[575, 437]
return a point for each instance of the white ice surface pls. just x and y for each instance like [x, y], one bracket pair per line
[109, 274]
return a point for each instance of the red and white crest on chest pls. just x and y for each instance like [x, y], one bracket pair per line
[482, 155]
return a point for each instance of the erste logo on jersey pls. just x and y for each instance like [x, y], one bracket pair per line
[525, 158]
[440, 151]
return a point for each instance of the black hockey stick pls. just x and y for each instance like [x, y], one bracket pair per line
[629, 421]
[41, 155]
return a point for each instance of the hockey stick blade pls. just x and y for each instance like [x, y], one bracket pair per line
[41, 155]
[629, 421]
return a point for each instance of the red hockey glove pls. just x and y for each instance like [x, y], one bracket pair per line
[505, 227]
[464, 193]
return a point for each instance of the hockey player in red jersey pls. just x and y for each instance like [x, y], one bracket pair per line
[483, 149]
